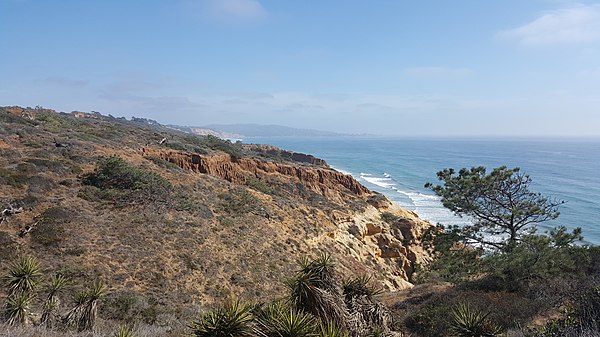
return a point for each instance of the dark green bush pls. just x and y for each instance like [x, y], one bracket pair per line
[218, 144]
[119, 181]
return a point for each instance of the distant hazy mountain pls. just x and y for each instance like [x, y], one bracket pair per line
[256, 130]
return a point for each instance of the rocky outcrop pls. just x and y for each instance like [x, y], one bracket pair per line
[284, 154]
[394, 249]
[322, 180]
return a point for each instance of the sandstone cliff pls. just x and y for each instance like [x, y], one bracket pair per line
[392, 248]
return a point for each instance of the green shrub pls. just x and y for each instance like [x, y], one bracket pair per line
[121, 182]
[259, 185]
[239, 202]
[218, 144]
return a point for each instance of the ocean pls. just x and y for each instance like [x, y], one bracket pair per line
[568, 170]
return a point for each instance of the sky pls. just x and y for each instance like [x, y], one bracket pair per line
[498, 68]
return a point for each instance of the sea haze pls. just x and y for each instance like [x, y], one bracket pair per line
[563, 169]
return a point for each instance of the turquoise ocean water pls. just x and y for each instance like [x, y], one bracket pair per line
[565, 169]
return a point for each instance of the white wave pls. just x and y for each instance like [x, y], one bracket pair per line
[341, 170]
[427, 206]
[381, 182]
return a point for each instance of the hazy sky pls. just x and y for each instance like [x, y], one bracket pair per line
[395, 67]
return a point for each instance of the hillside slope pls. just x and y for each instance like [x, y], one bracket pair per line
[231, 219]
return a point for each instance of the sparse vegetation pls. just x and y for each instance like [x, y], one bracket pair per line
[121, 182]
[172, 252]
[389, 217]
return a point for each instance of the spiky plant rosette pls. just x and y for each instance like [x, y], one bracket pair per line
[234, 319]
[314, 290]
[17, 307]
[23, 276]
[468, 322]
[124, 331]
[279, 320]
[93, 294]
[330, 329]
[51, 304]
[360, 286]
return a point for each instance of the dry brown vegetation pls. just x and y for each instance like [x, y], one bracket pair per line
[206, 239]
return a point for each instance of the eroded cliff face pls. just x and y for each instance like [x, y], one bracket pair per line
[321, 180]
[357, 237]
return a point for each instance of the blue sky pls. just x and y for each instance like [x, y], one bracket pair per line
[405, 68]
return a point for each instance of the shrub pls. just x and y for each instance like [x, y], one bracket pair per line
[239, 202]
[124, 332]
[12, 178]
[120, 182]
[49, 231]
[259, 185]
[24, 276]
[17, 307]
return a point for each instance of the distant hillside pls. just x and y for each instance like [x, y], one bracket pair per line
[257, 130]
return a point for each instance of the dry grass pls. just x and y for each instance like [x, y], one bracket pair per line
[210, 240]
[106, 329]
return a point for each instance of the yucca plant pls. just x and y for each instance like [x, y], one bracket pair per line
[331, 330]
[90, 312]
[124, 332]
[322, 269]
[84, 313]
[52, 302]
[315, 290]
[234, 319]
[278, 320]
[359, 286]
[16, 308]
[23, 276]
[469, 322]
[72, 317]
